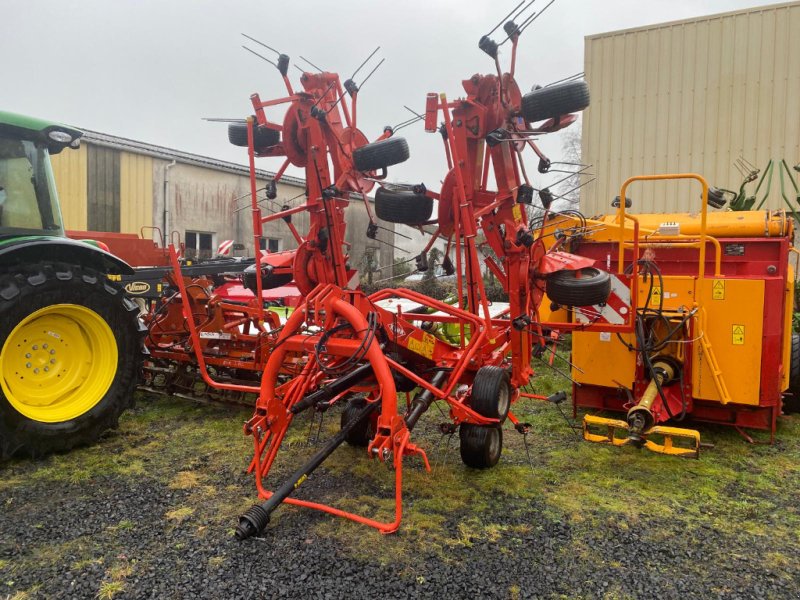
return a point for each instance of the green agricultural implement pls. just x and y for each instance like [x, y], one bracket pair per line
[791, 197]
[70, 341]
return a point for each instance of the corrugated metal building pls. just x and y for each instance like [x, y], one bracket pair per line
[691, 95]
[120, 185]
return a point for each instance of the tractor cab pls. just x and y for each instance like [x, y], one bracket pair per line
[28, 198]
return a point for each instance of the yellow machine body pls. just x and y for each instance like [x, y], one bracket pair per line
[725, 282]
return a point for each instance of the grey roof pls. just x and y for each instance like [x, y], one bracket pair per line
[136, 147]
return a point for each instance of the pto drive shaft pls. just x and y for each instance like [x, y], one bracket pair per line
[256, 518]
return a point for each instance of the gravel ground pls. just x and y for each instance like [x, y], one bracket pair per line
[149, 513]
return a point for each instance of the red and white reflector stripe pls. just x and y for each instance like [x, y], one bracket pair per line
[224, 249]
[616, 309]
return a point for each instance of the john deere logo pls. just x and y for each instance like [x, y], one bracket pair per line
[137, 287]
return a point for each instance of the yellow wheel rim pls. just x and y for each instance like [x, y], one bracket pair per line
[58, 363]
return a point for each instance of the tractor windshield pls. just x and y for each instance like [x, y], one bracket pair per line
[28, 198]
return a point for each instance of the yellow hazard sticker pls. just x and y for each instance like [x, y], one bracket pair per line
[718, 289]
[738, 335]
[517, 212]
[655, 297]
[423, 347]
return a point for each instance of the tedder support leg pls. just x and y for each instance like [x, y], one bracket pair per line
[256, 518]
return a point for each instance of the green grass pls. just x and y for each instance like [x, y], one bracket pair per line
[740, 490]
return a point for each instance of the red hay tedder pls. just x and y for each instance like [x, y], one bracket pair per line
[340, 345]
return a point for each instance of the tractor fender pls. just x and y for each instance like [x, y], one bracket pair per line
[33, 249]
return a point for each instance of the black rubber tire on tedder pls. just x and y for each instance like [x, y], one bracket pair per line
[263, 138]
[581, 287]
[555, 101]
[491, 393]
[47, 287]
[403, 206]
[481, 445]
[363, 433]
[382, 154]
[792, 404]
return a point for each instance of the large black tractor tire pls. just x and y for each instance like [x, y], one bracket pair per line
[382, 154]
[61, 386]
[792, 404]
[491, 393]
[263, 138]
[403, 206]
[481, 445]
[555, 101]
[363, 433]
[581, 287]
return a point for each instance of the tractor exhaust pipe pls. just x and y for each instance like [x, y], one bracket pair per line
[256, 518]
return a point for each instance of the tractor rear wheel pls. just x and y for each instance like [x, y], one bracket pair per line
[792, 404]
[70, 354]
[263, 138]
[491, 393]
[363, 433]
[382, 154]
[403, 206]
[481, 445]
[555, 101]
[581, 287]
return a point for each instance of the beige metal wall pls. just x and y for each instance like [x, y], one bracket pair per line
[70, 172]
[691, 96]
[136, 192]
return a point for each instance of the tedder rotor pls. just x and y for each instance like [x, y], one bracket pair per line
[341, 345]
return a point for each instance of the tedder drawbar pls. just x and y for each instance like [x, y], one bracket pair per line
[340, 345]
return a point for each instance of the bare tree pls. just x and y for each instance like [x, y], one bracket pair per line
[571, 148]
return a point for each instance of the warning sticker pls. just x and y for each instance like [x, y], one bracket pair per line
[738, 335]
[423, 347]
[517, 212]
[655, 297]
[718, 289]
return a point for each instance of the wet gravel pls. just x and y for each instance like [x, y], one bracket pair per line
[70, 535]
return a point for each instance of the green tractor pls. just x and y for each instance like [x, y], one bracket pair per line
[70, 340]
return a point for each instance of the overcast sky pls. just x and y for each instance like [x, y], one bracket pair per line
[151, 69]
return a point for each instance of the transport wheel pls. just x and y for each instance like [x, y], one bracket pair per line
[70, 354]
[792, 405]
[382, 154]
[491, 393]
[481, 445]
[555, 101]
[363, 433]
[581, 287]
[403, 206]
[263, 138]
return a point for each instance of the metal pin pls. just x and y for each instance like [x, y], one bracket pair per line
[503, 20]
[261, 44]
[366, 60]
[312, 64]
[260, 56]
